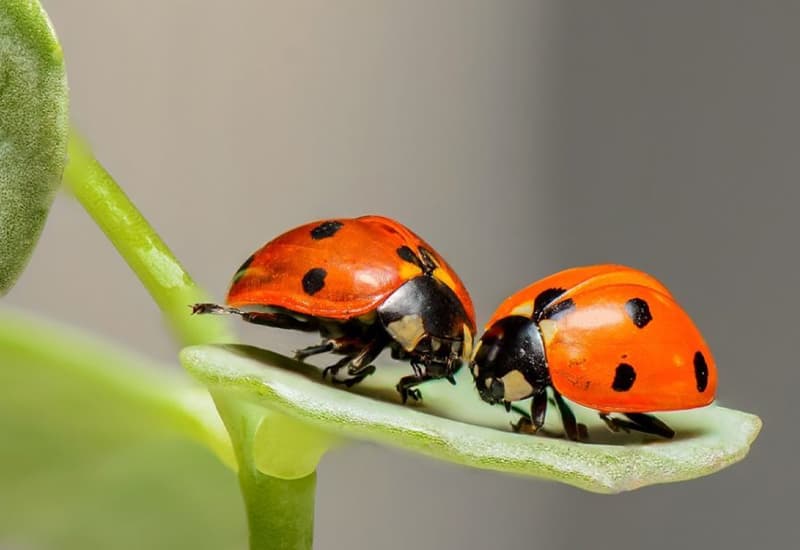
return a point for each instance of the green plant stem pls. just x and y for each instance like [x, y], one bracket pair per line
[280, 512]
[139, 244]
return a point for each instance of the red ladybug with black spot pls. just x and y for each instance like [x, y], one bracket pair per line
[608, 337]
[364, 284]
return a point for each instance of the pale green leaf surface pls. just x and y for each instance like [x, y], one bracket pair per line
[708, 439]
[96, 450]
[33, 130]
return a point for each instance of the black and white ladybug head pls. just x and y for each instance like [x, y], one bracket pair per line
[428, 323]
[509, 361]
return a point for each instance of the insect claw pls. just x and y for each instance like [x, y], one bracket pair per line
[206, 308]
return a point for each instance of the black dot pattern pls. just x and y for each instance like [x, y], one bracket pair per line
[639, 312]
[624, 377]
[326, 229]
[700, 371]
[544, 299]
[408, 255]
[314, 280]
[556, 311]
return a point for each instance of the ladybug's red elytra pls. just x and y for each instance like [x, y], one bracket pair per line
[364, 284]
[608, 337]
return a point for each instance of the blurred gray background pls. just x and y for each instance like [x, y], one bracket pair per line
[518, 138]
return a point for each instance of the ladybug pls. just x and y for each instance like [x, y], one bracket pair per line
[608, 337]
[364, 284]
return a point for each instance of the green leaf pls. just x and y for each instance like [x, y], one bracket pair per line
[708, 439]
[99, 449]
[33, 130]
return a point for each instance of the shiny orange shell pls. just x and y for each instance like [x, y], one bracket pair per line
[620, 322]
[338, 269]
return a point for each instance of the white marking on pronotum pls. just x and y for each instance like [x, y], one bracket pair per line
[407, 331]
[516, 387]
[523, 310]
[548, 329]
[466, 352]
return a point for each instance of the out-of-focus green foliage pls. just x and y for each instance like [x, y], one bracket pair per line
[98, 453]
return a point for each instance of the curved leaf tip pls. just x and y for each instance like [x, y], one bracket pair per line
[445, 424]
[33, 130]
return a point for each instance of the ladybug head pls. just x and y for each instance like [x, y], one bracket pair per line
[429, 325]
[509, 362]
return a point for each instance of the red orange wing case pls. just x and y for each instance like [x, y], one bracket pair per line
[347, 272]
[573, 280]
[590, 341]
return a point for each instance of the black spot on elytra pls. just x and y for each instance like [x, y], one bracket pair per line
[623, 377]
[408, 255]
[326, 229]
[639, 312]
[544, 299]
[700, 371]
[314, 280]
[558, 310]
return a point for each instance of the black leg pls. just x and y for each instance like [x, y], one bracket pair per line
[539, 408]
[406, 386]
[277, 320]
[651, 425]
[567, 417]
[201, 309]
[372, 350]
[615, 424]
[353, 380]
[359, 367]
[531, 424]
[334, 369]
[639, 422]
[324, 347]
[523, 425]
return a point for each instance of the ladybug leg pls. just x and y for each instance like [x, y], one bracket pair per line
[399, 353]
[324, 347]
[359, 367]
[533, 423]
[567, 417]
[334, 369]
[277, 320]
[539, 408]
[524, 425]
[651, 425]
[405, 386]
[615, 424]
[200, 309]
[639, 422]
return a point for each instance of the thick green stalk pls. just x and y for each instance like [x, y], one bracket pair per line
[139, 244]
[280, 511]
